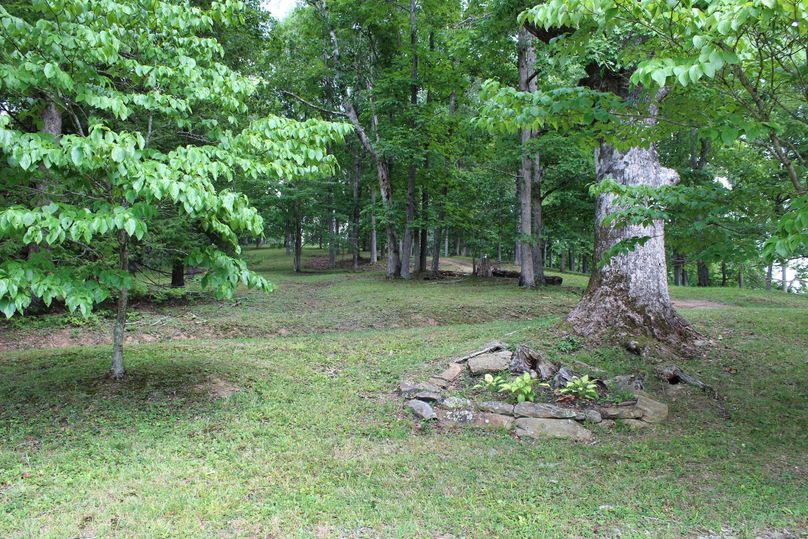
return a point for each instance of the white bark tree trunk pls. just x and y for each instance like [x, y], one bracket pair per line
[629, 296]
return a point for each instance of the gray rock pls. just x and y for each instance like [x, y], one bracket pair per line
[431, 396]
[439, 382]
[561, 378]
[493, 421]
[451, 373]
[635, 423]
[530, 409]
[625, 382]
[652, 411]
[420, 409]
[496, 407]
[589, 415]
[462, 417]
[408, 388]
[455, 403]
[488, 363]
[532, 427]
[629, 411]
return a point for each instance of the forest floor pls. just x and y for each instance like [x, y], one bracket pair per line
[276, 416]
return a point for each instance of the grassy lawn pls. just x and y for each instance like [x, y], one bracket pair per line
[276, 416]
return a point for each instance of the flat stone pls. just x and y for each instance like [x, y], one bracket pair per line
[439, 382]
[461, 417]
[420, 409]
[589, 415]
[455, 403]
[408, 388]
[431, 396]
[533, 427]
[489, 363]
[451, 373]
[635, 423]
[493, 421]
[531, 409]
[653, 411]
[629, 411]
[496, 407]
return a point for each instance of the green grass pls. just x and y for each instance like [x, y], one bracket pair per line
[315, 443]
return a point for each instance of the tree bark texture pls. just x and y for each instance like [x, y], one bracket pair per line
[629, 295]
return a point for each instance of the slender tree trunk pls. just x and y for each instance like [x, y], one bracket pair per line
[374, 255]
[287, 239]
[723, 273]
[178, 274]
[412, 171]
[332, 235]
[703, 273]
[423, 244]
[499, 251]
[740, 277]
[527, 60]
[119, 328]
[536, 223]
[629, 295]
[678, 262]
[355, 209]
[446, 243]
[298, 254]
[784, 275]
[685, 276]
[769, 272]
[437, 240]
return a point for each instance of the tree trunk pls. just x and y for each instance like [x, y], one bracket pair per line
[527, 60]
[355, 213]
[423, 244]
[536, 223]
[412, 171]
[374, 255]
[178, 274]
[784, 276]
[332, 236]
[287, 239]
[298, 234]
[119, 329]
[629, 295]
[678, 263]
[438, 231]
[703, 273]
[723, 273]
[740, 277]
[446, 244]
[769, 272]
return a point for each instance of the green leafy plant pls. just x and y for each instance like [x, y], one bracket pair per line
[569, 344]
[491, 383]
[521, 387]
[581, 388]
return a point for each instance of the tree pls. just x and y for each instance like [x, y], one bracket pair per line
[84, 82]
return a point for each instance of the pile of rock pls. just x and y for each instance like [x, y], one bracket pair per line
[431, 400]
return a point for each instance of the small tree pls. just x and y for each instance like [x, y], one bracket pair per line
[83, 83]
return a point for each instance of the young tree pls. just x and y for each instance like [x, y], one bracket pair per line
[84, 81]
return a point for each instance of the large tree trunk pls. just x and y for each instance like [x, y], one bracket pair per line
[629, 295]
[536, 224]
[119, 328]
[527, 61]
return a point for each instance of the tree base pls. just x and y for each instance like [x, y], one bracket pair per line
[610, 314]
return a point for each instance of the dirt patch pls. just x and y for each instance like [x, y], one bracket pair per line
[217, 388]
[697, 304]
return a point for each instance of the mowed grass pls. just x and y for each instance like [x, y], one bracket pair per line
[314, 442]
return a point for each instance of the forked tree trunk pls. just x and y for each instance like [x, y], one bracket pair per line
[119, 328]
[629, 295]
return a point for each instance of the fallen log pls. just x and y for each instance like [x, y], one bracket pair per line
[494, 346]
[511, 274]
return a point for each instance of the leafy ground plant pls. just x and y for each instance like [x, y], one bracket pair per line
[581, 388]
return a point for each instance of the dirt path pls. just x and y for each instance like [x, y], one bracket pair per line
[698, 304]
